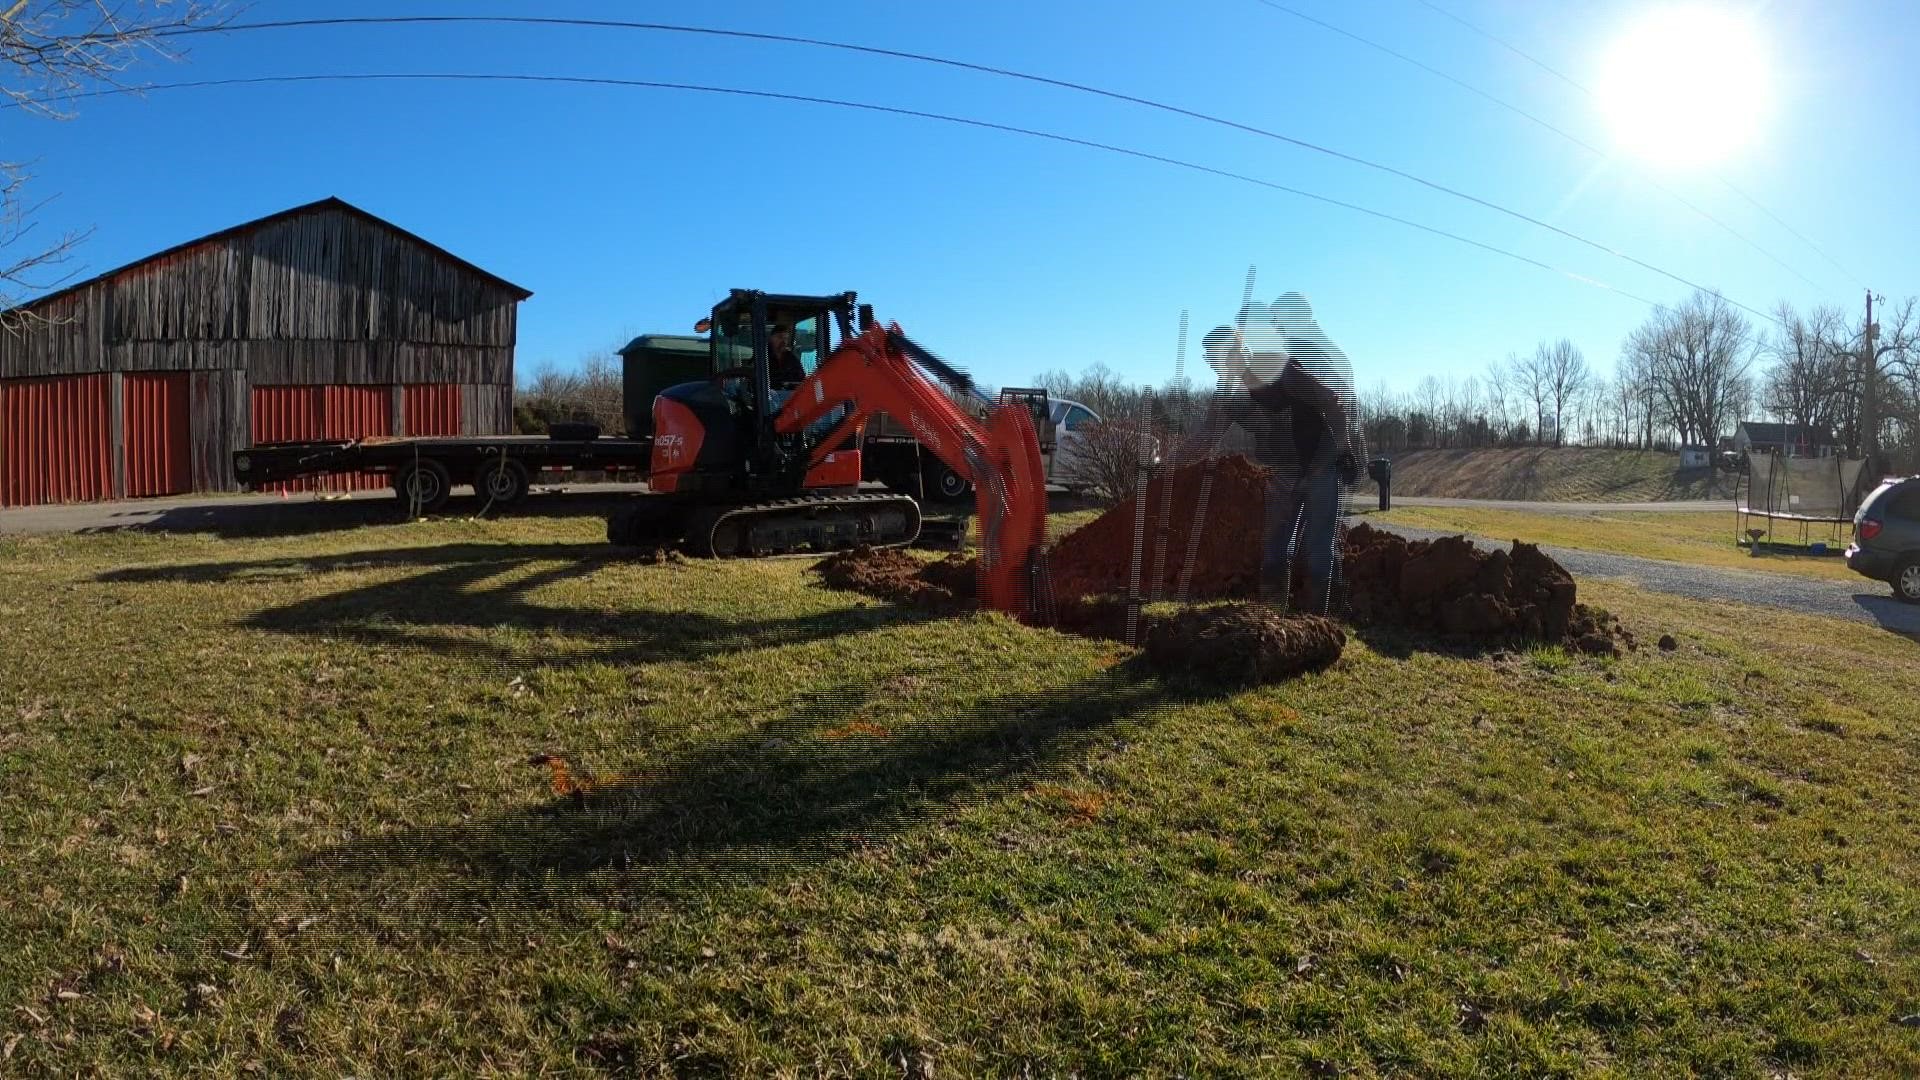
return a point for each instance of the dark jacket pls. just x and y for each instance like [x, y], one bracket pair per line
[1297, 421]
[784, 368]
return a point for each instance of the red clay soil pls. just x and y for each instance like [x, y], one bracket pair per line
[892, 574]
[1098, 557]
[1242, 643]
[1455, 588]
[888, 573]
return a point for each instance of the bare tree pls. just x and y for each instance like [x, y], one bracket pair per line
[51, 50]
[1880, 401]
[1099, 388]
[1634, 372]
[1698, 355]
[1468, 401]
[1810, 383]
[591, 393]
[1625, 401]
[1591, 407]
[1559, 371]
[1499, 378]
[1106, 459]
[1428, 399]
[1382, 418]
[1530, 377]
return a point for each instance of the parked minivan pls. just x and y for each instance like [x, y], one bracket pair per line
[1070, 423]
[1886, 537]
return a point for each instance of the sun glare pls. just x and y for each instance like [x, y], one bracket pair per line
[1685, 86]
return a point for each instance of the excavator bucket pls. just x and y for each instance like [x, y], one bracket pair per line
[1011, 493]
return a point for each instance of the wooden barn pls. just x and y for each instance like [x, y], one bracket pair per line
[318, 322]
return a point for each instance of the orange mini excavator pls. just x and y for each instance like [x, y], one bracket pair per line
[763, 456]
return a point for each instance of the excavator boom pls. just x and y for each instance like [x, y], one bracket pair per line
[875, 372]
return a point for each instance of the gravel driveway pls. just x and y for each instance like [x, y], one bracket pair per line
[1861, 601]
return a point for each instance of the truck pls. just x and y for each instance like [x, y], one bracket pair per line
[501, 469]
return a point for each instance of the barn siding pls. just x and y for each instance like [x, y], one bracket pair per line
[222, 424]
[116, 434]
[154, 452]
[431, 409]
[324, 296]
[55, 440]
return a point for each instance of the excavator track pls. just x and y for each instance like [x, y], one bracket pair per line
[807, 523]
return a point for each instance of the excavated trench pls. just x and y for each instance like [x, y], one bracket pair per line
[1449, 588]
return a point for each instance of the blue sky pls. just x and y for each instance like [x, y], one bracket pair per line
[630, 211]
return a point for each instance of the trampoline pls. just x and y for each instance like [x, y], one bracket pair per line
[1789, 494]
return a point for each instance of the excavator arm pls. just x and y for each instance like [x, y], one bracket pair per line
[876, 372]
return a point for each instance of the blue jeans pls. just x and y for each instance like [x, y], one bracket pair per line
[1302, 511]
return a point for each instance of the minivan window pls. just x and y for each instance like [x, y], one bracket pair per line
[1903, 502]
[1078, 418]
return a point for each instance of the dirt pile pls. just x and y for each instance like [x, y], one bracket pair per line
[1242, 643]
[1238, 643]
[892, 574]
[1098, 557]
[958, 574]
[1458, 589]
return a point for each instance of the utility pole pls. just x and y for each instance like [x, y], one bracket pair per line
[1869, 392]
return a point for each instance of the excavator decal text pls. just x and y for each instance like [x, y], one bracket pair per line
[924, 431]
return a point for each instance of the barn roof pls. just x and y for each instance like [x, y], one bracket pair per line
[331, 202]
[1785, 434]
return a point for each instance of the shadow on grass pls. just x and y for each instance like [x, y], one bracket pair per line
[1399, 643]
[237, 520]
[794, 790]
[466, 593]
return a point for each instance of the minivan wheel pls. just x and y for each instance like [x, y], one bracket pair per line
[1906, 580]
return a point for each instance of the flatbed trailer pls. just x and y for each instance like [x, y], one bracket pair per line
[425, 468]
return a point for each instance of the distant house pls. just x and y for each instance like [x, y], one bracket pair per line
[1787, 440]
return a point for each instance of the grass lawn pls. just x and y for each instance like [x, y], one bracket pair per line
[268, 811]
[1706, 539]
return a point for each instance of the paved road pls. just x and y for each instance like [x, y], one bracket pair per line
[1687, 506]
[1861, 601]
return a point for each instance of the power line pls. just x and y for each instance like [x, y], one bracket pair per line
[1507, 45]
[873, 50]
[1144, 155]
[1577, 85]
[1554, 128]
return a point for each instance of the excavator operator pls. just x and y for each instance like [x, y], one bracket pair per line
[784, 370]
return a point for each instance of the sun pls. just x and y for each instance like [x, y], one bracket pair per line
[1685, 87]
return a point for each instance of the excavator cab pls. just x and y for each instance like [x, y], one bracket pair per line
[720, 436]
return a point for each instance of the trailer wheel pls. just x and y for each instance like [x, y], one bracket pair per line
[423, 487]
[946, 485]
[502, 482]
